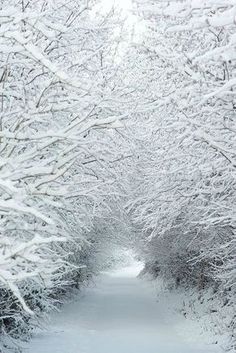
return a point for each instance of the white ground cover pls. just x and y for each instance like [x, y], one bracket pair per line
[122, 314]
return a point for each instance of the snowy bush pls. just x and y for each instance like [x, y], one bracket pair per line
[184, 198]
[57, 86]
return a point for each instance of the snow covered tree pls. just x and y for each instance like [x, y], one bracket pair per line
[59, 93]
[185, 189]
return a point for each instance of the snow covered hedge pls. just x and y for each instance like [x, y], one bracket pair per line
[184, 200]
[56, 92]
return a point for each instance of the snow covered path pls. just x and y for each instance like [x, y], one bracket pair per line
[118, 315]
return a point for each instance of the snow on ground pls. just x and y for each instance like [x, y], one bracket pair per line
[121, 314]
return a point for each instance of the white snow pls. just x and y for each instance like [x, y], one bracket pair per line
[120, 314]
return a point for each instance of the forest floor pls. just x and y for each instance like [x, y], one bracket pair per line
[121, 314]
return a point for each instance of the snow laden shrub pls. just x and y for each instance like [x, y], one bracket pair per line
[184, 199]
[55, 103]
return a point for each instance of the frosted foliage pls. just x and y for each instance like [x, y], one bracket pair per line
[183, 188]
[59, 103]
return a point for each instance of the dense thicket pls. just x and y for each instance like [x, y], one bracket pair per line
[59, 107]
[184, 200]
